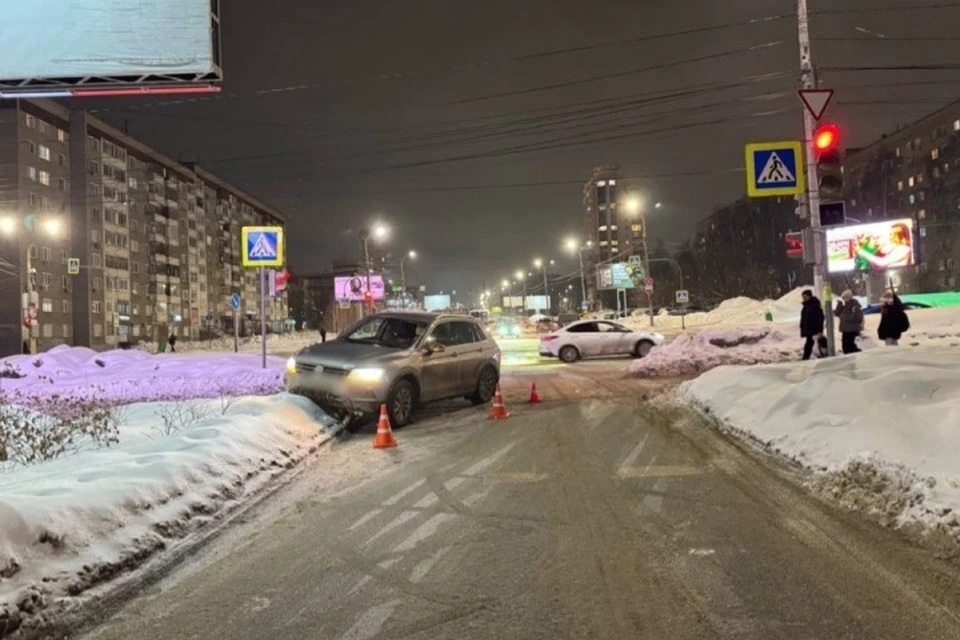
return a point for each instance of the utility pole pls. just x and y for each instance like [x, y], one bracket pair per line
[646, 261]
[365, 238]
[583, 277]
[811, 199]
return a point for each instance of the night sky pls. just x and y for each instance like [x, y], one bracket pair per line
[470, 127]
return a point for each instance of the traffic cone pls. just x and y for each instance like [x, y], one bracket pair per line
[534, 396]
[499, 410]
[384, 439]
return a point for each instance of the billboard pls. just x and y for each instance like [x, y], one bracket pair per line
[620, 275]
[436, 303]
[876, 246]
[353, 288]
[63, 46]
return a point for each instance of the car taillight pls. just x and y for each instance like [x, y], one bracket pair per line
[547, 338]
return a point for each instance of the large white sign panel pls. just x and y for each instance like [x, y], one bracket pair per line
[79, 38]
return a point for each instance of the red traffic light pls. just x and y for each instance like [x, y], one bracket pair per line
[826, 138]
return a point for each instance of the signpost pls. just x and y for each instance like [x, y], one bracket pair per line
[73, 266]
[262, 247]
[775, 169]
[815, 100]
[235, 305]
[648, 285]
[682, 296]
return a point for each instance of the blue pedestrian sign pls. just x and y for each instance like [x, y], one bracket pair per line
[234, 301]
[262, 246]
[775, 169]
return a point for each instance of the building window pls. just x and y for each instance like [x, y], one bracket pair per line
[900, 186]
[61, 160]
[62, 135]
[898, 152]
[922, 215]
[65, 283]
[46, 254]
[97, 330]
[936, 172]
[911, 181]
[923, 232]
[31, 121]
[919, 178]
[32, 173]
[921, 196]
[97, 283]
[66, 331]
[65, 306]
[48, 331]
[46, 305]
[912, 199]
[44, 153]
[44, 178]
[62, 184]
[46, 278]
[935, 154]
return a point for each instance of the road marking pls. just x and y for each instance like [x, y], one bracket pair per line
[630, 459]
[425, 566]
[367, 517]
[423, 532]
[472, 500]
[454, 482]
[427, 501]
[701, 552]
[404, 516]
[520, 477]
[361, 583]
[371, 621]
[488, 461]
[659, 472]
[394, 499]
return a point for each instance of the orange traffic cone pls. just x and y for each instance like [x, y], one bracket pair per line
[534, 396]
[384, 439]
[499, 410]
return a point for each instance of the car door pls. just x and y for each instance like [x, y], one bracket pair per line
[609, 338]
[441, 368]
[626, 338]
[470, 354]
[585, 337]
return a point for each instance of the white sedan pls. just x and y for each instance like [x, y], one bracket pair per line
[589, 338]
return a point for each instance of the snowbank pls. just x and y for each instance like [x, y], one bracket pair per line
[735, 311]
[281, 344]
[704, 350]
[136, 376]
[72, 523]
[881, 428]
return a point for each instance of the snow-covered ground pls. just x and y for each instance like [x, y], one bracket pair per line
[880, 429]
[739, 335]
[282, 344]
[135, 376]
[128, 485]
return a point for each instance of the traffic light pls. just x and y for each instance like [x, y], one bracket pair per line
[826, 146]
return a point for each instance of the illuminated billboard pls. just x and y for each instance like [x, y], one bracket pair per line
[437, 303]
[80, 47]
[619, 275]
[876, 246]
[354, 288]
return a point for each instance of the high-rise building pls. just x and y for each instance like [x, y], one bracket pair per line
[158, 242]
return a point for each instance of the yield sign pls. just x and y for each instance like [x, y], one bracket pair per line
[816, 100]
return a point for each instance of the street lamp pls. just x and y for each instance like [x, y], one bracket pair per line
[403, 278]
[379, 232]
[542, 264]
[634, 206]
[574, 246]
[9, 225]
[522, 278]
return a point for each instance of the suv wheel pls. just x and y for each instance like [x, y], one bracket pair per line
[486, 386]
[569, 354]
[401, 404]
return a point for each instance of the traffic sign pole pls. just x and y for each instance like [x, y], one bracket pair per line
[236, 331]
[263, 317]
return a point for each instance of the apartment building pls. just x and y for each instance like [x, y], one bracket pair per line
[158, 241]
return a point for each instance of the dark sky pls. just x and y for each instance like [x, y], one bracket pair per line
[417, 112]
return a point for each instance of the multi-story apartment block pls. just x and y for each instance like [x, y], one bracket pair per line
[158, 241]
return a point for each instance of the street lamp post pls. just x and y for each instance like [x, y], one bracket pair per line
[9, 226]
[403, 277]
[379, 232]
[573, 245]
[522, 277]
[542, 264]
[635, 207]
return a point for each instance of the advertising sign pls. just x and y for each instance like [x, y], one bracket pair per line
[353, 288]
[538, 303]
[106, 38]
[620, 275]
[436, 303]
[876, 246]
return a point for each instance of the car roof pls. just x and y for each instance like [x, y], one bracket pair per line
[426, 317]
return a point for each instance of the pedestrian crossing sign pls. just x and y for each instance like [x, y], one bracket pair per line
[775, 169]
[262, 246]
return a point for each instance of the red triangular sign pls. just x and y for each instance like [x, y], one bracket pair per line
[816, 101]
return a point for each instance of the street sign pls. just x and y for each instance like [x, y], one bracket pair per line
[833, 214]
[396, 288]
[585, 305]
[794, 241]
[774, 169]
[648, 284]
[33, 311]
[262, 246]
[209, 319]
[682, 296]
[816, 100]
[344, 304]
[423, 288]
[234, 301]
[73, 266]
[634, 261]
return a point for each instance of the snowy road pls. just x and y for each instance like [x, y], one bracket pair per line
[594, 515]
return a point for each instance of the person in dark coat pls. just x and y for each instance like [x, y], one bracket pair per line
[173, 343]
[850, 314]
[811, 322]
[893, 319]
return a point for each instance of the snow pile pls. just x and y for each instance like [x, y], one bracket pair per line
[281, 344]
[71, 523]
[695, 353]
[135, 376]
[881, 428]
[735, 311]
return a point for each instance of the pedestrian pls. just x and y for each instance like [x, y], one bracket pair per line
[173, 343]
[323, 333]
[850, 314]
[893, 319]
[812, 320]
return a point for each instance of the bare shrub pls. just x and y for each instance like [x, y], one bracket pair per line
[178, 415]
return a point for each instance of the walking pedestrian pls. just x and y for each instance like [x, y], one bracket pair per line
[893, 319]
[323, 333]
[850, 314]
[173, 343]
[812, 320]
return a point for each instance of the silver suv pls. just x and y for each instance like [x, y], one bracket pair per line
[402, 359]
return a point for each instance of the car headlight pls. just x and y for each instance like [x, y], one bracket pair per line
[367, 374]
[291, 365]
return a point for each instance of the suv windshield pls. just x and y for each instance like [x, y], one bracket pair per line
[396, 333]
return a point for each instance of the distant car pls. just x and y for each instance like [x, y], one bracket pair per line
[908, 306]
[399, 359]
[590, 338]
[546, 325]
[507, 328]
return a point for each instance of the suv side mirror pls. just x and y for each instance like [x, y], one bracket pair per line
[432, 346]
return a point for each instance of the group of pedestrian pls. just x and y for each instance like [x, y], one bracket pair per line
[893, 322]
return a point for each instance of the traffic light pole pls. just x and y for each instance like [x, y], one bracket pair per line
[811, 199]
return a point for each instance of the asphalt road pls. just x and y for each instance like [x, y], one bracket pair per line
[593, 515]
